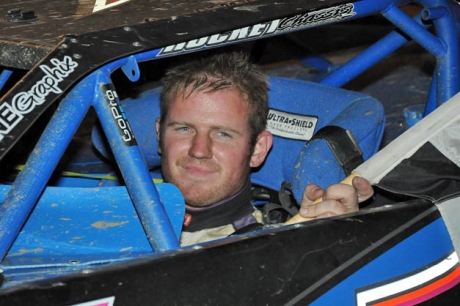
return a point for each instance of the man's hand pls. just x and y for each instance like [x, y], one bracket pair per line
[337, 199]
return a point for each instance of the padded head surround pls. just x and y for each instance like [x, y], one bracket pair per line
[141, 111]
[297, 161]
[304, 162]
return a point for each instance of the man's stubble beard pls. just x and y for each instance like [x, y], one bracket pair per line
[195, 193]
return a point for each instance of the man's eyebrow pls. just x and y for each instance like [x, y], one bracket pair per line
[173, 123]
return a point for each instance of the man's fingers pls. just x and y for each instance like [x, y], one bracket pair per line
[343, 193]
[363, 188]
[336, 200]
[311, 193]
[326, 208]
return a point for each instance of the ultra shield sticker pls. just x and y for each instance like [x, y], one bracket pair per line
[291, 126]
[118, 115]
[297, 22]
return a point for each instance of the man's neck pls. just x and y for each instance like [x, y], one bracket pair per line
[222, 213]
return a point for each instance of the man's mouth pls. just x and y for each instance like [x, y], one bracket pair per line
[198, 170]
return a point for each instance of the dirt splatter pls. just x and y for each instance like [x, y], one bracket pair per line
[104, 224]
[25, 251]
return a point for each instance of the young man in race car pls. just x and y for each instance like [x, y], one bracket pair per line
[212, 131]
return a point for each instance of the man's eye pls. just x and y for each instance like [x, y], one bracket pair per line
[224, 134]
[182, 129]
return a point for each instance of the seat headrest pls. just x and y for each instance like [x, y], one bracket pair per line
[141, 111]
[302, 162]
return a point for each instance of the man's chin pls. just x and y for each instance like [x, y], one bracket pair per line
[195, 203]
[202, 194]
[201, 199]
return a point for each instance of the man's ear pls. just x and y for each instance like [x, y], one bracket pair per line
[158, 128]
[262, 147]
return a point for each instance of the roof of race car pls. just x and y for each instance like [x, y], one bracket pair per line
[30, 29]
[108, 35]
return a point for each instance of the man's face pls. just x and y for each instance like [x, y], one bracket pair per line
[206, 149]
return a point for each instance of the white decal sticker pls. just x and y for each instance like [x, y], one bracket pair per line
[102, 4]
[118, 115]
[101, 302]
[8, 119]
[297, 22]
[24, 102]
[291, 126]
[391, 290]
[327, 15]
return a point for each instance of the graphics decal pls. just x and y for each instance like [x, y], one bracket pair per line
[118, 114]
[291, 126]
[297, 22]
[101, 302]
[415, 288]
[11, 113]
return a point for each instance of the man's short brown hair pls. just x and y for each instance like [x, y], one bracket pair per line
[216, 72]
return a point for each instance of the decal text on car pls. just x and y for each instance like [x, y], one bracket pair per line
[11, 113]
[118, 115]
[297, 22]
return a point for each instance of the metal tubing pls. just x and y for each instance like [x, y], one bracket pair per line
[431, 103]
[365, 60]
[447, 66]
[141, 188]
[4, 76]
[320, 64]
[31, 181]
[434, 13]
[415, 31]
[444, 45]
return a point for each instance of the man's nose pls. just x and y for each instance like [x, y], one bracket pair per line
[201, 146]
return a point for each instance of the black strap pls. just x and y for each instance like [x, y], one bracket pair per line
[249, 228]
[344, 146]
[281, 204]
